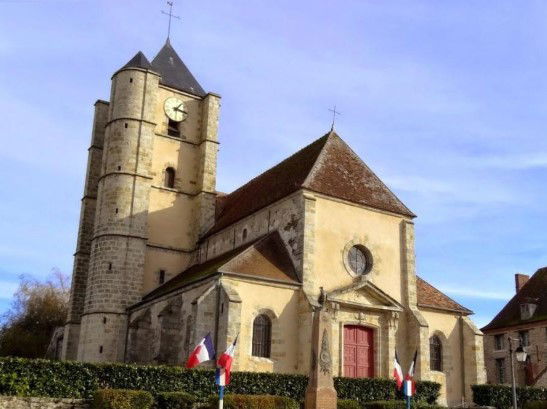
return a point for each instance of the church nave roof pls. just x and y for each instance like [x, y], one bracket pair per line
[327, 166]
[430, 297]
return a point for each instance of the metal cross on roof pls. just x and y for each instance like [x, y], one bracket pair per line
[334, 113]
[171, 15]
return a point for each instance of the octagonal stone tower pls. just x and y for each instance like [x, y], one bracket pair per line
[119, 243]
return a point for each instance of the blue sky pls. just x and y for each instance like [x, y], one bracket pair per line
[446, 101]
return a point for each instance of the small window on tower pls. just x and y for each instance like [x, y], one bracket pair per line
[169, 178]
[161, 277]
[173, 129]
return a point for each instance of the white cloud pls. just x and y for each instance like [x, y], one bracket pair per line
[469, 190]
[418, 184]
[476, 293]
[521, 161]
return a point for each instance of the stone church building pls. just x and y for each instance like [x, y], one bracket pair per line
[163, 258]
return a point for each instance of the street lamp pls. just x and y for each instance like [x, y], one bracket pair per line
[520, 353]
[521, 357]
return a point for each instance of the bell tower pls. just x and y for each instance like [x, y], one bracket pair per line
[152, 170]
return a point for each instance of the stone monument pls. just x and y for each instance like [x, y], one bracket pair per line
[320, 392]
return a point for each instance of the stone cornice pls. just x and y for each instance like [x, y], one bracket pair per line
[119, 172]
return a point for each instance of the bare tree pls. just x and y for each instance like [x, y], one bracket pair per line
[38, 308]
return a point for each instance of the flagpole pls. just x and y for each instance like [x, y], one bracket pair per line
[220, 397]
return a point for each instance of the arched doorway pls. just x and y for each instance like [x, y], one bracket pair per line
[358, 351]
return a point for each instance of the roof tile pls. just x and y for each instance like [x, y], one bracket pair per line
[138, 61]
[535, 290]
[430, 297]
[174, 72]
[327, 166]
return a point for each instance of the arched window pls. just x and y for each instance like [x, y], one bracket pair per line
[169, 177]
[244, 235]
[435, 353]
[262, 336]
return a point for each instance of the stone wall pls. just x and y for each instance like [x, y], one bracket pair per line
[15, 402]
[208, 163]
[287, 216]
[537, 353]
[541, 382]
[473, 356]
[178, 215]
[244, 300]
[166, 330]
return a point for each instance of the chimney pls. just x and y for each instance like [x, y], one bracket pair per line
[520, 280]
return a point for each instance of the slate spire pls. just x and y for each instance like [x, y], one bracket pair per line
[139, 61]
[174, 73]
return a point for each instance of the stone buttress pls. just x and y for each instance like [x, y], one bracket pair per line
[85, 233]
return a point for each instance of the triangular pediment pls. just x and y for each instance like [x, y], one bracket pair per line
[265, 259]
[268, 259]
[364, 295]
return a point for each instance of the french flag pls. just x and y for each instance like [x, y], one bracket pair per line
[204, 351]
[224, 365]
[397, 371]
[409, 386]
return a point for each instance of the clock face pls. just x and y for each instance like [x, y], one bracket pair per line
[174, 109]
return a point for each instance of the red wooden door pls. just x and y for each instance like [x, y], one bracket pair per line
[358, 352]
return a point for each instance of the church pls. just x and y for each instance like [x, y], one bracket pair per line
[163, 258]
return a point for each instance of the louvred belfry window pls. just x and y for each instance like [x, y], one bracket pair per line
[435, 353]
[262, 336]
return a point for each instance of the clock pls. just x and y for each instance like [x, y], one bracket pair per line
[174, 109]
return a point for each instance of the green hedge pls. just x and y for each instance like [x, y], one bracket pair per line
[536, 404]
[348, 404]
[238, 401]
[378, 389]
[174, 400]
[122, 399]
[399, 404]
[426, 391]
[70, 379]
[501, 396]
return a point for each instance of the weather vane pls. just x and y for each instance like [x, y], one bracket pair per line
[334, 113]
[171, 15]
